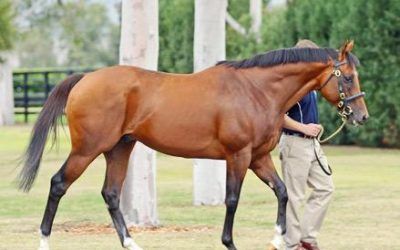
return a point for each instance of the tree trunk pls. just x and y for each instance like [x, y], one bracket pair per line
[256, 18]
[139, 47]
[209, 176]
[6, 91]
[277, 4]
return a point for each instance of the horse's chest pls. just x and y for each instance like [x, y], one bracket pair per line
[269, 134]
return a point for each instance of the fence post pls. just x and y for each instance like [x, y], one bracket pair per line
[26, 98]
[46, 85]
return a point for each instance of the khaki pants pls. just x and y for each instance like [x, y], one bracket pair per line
[301, 169]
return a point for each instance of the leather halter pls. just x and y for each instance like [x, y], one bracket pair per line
[344, 109]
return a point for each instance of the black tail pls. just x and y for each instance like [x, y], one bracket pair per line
[48, 117]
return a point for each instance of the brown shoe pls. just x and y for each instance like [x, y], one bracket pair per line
[299, 247]
[309, 246]
[271, 247]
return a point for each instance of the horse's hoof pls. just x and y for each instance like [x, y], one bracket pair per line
[131, 245]
[230, 246]
[44, 243]
[271, 247]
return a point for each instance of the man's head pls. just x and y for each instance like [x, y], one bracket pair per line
[304, 43]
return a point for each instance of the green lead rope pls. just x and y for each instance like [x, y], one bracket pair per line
[332, 135]
[327, 170]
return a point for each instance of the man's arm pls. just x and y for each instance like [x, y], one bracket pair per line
[310, 129]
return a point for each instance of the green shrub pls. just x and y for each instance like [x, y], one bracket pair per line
[7, 31]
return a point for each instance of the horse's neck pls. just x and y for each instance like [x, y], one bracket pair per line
[287, 84]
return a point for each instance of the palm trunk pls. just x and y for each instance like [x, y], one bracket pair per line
[209, 47]
[256, 18]
[139, 47]
[6, 91]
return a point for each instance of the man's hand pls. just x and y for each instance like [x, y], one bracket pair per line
[311, 129]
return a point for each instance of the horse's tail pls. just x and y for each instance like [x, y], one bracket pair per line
[48, 117]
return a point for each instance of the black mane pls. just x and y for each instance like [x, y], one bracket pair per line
[290, 55]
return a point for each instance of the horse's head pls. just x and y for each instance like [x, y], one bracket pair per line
[341, 86]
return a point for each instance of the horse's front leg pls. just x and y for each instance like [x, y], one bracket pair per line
[265, 170]
[237, 165]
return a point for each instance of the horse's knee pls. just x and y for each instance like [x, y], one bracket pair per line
[281, 192]
[111, 197]
[284, 195]
[231, 203]
[57, 186]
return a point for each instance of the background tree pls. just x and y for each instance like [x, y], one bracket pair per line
[71, 34]
[209, 48]
[6, 89]
[176, 36]
[256, 18]
[139, 47]
[6, 25]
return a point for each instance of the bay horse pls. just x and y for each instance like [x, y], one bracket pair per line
[233, 111]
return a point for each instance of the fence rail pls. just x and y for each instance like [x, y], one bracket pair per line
[31, 88]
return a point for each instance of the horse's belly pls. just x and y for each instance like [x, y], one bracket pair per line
[180, 137]
[183, 148]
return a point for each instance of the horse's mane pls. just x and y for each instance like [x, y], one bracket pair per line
[290, 55]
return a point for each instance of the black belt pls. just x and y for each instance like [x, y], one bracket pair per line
[301, 135]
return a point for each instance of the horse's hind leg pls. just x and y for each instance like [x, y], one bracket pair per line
[117, 162]
[73, 167]
[265, 170]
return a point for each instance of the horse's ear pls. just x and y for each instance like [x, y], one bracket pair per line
[345, 49]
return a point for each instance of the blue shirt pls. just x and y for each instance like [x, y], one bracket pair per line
[305, 111]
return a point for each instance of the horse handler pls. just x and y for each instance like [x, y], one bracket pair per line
[301, 156]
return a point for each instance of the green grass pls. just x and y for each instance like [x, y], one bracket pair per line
[364, 214]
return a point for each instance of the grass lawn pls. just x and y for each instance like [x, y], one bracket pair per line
[365, 212]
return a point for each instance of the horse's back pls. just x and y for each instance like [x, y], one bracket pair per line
[166, 111]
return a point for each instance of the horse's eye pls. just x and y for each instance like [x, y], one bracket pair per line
[348, 79]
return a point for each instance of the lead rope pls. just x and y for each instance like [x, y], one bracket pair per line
[332, 135]
[327, 170]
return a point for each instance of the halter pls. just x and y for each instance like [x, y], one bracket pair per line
[344, 109]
